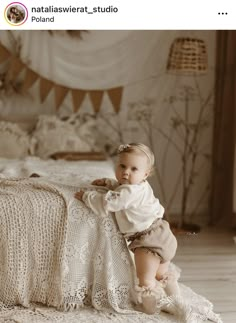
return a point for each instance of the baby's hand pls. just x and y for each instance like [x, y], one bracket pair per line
[99, 182]
[79, 195]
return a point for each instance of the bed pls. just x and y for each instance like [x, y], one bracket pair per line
[59, 262]
[53, 250]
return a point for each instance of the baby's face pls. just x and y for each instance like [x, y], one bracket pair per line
[132, 168]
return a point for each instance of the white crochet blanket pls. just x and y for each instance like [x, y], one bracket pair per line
[55, 251]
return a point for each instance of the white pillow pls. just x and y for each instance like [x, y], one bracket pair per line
[54, 135]
[14, 142]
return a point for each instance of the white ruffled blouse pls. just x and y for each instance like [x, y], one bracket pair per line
[135, 206]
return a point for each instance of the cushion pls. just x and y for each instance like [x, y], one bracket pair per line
[14, 142]
[53, 135]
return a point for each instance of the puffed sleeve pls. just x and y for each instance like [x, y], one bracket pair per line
[120, 199]
[95, 201]
[112, 201]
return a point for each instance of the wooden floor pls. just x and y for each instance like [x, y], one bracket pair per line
[208, 263]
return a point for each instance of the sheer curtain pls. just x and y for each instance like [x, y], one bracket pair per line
[224, 133]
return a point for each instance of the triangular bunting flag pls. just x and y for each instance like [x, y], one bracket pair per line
[96, 99]
[4, 54]
[16, 66]
[115, 95]
[45, 87]
[60, 93]
[29, 80]
[78, 97]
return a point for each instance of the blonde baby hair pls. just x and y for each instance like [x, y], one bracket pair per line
[131, 147]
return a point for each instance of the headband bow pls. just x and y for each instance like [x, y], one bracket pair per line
[123, 147]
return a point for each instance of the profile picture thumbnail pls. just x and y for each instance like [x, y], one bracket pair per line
[16, 13]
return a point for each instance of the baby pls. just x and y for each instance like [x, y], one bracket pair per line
[139, 217]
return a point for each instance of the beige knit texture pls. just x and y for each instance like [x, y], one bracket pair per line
[54, 251]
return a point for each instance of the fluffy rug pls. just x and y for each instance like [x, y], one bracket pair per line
[192, 308]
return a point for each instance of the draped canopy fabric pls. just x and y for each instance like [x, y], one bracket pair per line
[95, 61]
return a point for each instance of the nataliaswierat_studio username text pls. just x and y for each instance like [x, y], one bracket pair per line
[54, 10]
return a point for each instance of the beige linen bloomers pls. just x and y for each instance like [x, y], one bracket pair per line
[157, 239]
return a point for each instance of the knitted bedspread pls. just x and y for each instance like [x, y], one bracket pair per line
[56, 252]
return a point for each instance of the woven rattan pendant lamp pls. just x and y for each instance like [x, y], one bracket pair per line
[187, 56]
